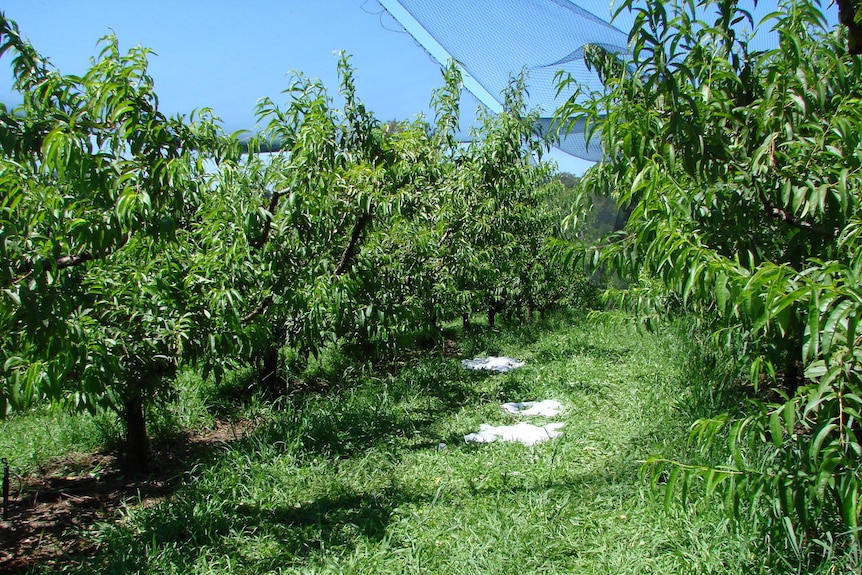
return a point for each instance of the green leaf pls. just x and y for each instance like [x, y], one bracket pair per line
[820, 437]
[670, 486]
[789, 413]
[776, 429]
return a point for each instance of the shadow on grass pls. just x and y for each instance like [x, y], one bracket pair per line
[256, 538]
[397, 412]
[183, 535]
[49, 517]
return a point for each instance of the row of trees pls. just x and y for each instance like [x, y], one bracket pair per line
[133, 242]
[742, 174]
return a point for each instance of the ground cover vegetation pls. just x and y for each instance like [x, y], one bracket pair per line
[740, 174]
[373, 474]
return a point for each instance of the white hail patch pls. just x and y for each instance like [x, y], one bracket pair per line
[497, 364]
[545, 408]
[525, 433]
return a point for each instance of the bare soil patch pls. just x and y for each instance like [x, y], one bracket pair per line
[53, 511]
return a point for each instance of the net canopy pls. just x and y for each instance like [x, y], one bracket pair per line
[492, 40]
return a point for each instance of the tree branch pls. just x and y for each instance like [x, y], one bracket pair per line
[264, 305]
[792, 221]
[353, 246]
[72, 261]
[25, 268]
[267, 225]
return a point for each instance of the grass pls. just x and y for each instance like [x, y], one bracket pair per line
[377, 478]
[30, 440]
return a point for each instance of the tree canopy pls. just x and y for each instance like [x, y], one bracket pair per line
[134, 243]
[740, 171]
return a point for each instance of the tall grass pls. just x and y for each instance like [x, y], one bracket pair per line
[33, 439]
[377, 478]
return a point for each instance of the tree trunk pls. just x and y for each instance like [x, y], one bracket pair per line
[353, 245]
[794, 375]
[271, 381]
[492, 316]
[138, 453]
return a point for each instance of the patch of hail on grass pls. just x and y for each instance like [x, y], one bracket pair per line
[525, 433]
[544, 408]
[496, 364]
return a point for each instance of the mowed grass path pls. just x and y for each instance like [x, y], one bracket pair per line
[376, 478]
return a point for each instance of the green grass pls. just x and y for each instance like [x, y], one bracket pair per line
[32, 439]
[377, 478]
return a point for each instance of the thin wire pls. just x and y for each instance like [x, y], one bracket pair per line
[382, 13]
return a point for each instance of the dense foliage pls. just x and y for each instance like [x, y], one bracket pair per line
[133, 243]
[741, 173]
[97, 185]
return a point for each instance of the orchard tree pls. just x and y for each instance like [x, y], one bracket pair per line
[324, 187]
[398, 266]
[495, 224]
[354, 235]
[97, 187]
[741, 172]
[354, 215]
[404, 263]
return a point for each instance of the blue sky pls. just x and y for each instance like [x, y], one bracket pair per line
[226, 54]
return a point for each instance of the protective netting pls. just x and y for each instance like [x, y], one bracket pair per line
[494, 39]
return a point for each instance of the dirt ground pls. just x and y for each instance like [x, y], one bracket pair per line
[52, 510]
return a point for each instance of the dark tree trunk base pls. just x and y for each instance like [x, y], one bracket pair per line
[272, 382]
[139, 456]
[794, 375]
